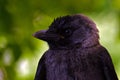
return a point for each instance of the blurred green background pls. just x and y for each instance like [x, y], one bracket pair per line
[19, 19]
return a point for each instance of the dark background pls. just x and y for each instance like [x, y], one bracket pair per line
[19, 19]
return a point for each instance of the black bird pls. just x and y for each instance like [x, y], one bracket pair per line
[74, 51]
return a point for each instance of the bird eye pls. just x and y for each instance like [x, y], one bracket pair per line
[67, 32]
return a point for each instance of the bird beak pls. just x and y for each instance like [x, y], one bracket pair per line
[40, 34]
[44, 35]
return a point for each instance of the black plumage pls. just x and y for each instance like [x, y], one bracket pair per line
[74, 51]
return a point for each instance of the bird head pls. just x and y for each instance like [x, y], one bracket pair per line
[70, 31]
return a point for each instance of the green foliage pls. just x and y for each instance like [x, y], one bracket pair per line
[19, 19]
